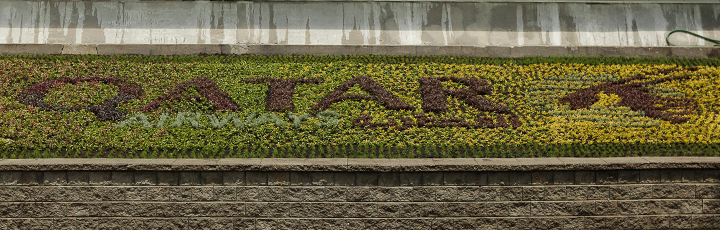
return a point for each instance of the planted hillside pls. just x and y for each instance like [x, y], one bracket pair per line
[357, 106]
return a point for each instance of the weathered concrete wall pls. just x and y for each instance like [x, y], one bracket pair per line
[354, 23]
[541, 193]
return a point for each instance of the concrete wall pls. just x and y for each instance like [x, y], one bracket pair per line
[544, 193]
[354, 23]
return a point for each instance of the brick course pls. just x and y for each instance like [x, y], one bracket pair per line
[275, 197]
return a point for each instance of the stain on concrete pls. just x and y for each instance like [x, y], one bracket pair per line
[355, 23]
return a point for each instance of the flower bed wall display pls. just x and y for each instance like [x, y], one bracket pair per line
[359, 106]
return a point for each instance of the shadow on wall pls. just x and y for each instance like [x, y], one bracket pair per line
[355, 23]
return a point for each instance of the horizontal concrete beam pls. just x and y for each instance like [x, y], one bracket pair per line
[361, 165]
[505, 1]
[25, 49]
[462, 1]
[480, 23]
[240, 49]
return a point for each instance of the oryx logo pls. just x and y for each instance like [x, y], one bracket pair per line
[637, 96]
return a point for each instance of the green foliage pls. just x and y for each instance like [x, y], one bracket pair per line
[137, 119]
[192, 127]
[329, 117]
[189, 117]
[65, 94]
[267, 118]
[298, 119]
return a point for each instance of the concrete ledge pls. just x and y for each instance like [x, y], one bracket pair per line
[472, 1]
[468, 51]
[362, 165]
[159, 49]
[30, 49]
[486, 51]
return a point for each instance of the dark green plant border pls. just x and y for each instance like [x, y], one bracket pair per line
[590, 60]
[375, 151]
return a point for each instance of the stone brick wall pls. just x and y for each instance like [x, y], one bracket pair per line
[370, 194]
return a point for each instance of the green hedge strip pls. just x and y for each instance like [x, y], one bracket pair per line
[374, 151]
[385, 59]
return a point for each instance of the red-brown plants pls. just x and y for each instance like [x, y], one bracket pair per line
[33, 96]
[206, 88]
[376, 92]
[637, 96]
[280, 91]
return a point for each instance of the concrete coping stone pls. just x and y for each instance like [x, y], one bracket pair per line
[415, 50]
[359, 165]
[478, 1]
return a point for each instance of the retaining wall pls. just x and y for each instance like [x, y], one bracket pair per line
[544, 193]
[411, 23]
